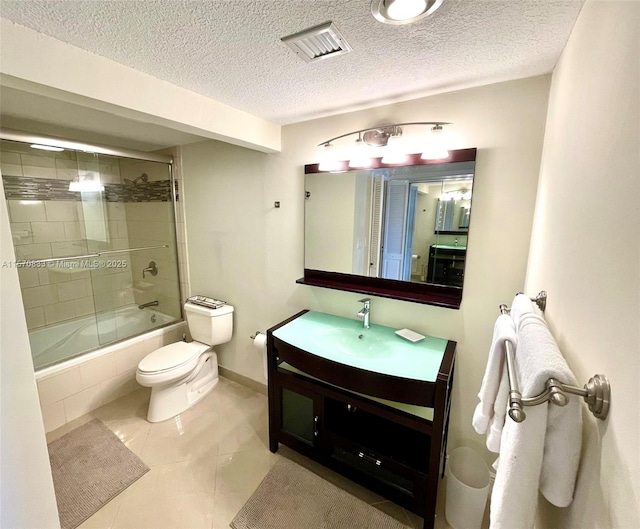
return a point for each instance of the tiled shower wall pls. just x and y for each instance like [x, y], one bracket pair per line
[152, 224]
[51, 228]
[42, 229]
[57, 224]
[52, 222]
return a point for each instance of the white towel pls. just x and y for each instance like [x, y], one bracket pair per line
[503, 330]
[543, 451]
[520, 306]
[496, 424]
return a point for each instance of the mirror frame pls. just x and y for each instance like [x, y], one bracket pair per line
[430, 294]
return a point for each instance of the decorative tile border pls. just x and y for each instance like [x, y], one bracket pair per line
[31, 188]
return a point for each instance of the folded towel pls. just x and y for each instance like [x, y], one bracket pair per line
[520, 306]
[542, 452]
[503, 330]
[496, 424]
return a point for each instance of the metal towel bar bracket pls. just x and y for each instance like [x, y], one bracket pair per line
[596, 393]
[540, 300]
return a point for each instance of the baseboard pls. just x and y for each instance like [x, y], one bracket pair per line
[256, 386]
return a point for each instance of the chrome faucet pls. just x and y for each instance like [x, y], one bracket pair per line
[150, 304]
[365, 312]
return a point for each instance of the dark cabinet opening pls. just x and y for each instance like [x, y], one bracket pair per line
[383, 437]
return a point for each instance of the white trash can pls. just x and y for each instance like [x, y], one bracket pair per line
[468, 481]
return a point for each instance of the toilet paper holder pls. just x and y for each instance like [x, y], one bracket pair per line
[255, 334]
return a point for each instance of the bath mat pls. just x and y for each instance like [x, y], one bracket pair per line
[90, 467]
[292, 497]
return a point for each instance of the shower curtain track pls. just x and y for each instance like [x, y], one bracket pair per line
[87, 256]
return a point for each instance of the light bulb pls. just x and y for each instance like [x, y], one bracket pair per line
[86, 183]
[395, 153]
[328, 160]
[406, 9]
[436, 148]
[85, 186]
[361, 157]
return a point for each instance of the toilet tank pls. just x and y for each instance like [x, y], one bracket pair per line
[209, 326]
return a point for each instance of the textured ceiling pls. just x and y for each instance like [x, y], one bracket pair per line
[230, 50]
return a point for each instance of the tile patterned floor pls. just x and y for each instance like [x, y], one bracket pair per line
[205, 463]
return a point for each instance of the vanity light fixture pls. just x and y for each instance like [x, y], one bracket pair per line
[384, 143]
[458, 194]
[398, 12]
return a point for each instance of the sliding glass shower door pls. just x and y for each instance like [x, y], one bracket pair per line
[95, 244]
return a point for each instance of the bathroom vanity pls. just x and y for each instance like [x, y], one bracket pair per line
[363, 402]
[446, 264]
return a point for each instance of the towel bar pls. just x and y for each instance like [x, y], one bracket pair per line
[596, 393]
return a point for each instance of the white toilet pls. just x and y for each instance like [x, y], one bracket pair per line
[180, 374]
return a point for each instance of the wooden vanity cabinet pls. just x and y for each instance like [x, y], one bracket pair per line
[446, 266]
[396, 453]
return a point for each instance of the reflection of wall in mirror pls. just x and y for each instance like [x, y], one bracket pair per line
[423, 234]
[329, 210]
[361, 224]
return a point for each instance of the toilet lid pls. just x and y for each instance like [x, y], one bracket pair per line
[171, 356]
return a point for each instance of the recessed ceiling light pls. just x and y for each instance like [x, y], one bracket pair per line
[398, 12]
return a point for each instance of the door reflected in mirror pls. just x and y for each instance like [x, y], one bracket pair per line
[406, 223]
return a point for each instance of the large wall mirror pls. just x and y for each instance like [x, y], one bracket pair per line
[394, 231]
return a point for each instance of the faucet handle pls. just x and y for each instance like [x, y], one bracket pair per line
[152, 269]
[364, 300]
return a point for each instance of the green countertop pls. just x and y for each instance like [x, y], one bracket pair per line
[377, 349]
[448, 247]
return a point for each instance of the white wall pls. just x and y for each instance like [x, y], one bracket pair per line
[585, 250]
[226, 216]
[244, 250]
[329, 221]
[27, 498]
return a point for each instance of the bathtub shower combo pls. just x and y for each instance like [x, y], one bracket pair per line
[94, 234]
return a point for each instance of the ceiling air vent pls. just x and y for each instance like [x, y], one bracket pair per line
[319, 42]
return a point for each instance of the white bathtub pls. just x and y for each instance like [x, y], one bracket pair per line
[74, 387]
[56, 343]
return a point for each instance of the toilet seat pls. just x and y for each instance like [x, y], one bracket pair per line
[170, 362]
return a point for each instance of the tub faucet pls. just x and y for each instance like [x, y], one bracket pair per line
[365, 312]
[152, 269]
[150, 304]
